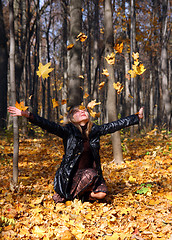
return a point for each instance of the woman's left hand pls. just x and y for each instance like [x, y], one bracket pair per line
[140, 113]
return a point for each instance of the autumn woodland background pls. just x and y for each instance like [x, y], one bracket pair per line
[116, 54]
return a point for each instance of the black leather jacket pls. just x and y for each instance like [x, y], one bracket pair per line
[73, 146]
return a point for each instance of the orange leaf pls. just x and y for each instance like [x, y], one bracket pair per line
[101, 85]
[21, 106]
[55, 103]
[119, 47]
[64, 101]
[82, 37]
[92, 104]
[70, 46]
[86, 95]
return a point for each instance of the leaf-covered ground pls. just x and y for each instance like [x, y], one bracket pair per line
[138, 205]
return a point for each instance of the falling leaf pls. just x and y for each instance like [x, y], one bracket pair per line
[94, 114]
[55, 103]
[30, 97]
[132, 73]
[101, 85]
[63, 101]
[86, 95]
[21, 106]
[140, 69]
[118, 86]
[92, 104]
[82, 37]
[119, 47]
[130, 96]
[81, 76]
[105, 72]
[135, 55]
[111, 59]
[44, 70]
[70, 46]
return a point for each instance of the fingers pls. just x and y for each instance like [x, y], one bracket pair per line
[14, 111]
[141, 112]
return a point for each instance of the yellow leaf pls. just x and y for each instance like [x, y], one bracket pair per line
[132, 180]
[101, 30]
[40, 231]
[81, 76]
[118, 86]
[70, 46]
[92, 104]
[101, 85]
[126, 211]
[24, 232]
[111, 59]
[82, 37]
[55, 103]
[140, 69]
[66, 235]
[105, 72]
[115, 236]
[119, 47]
[135, 55]
[169, 196]
[132, 73]
[21, 106]
[170, 168]
[44, 70]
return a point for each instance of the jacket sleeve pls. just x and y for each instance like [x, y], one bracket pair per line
[45, 124]
[118, 125]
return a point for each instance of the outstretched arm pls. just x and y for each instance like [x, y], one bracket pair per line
[45, 124]
[120, 123]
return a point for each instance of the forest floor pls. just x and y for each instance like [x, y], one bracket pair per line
[138, 205]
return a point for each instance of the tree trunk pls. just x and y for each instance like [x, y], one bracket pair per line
[13, 92]
[75, 94]
[111, 98]
[164, 71]
[48, 58]
[132, 49]
[64, 53]
[3, 70]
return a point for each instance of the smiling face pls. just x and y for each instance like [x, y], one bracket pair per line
[80, 116]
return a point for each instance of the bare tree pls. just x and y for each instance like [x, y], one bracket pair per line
[3, 70]
[164, 59]
[75, 93]
[111, 98]
[13, 92]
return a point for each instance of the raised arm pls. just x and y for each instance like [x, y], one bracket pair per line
[121, 123]
[45, 124]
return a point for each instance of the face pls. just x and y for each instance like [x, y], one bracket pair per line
[80, 116]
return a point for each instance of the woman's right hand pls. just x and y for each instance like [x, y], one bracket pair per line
[14, 111]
